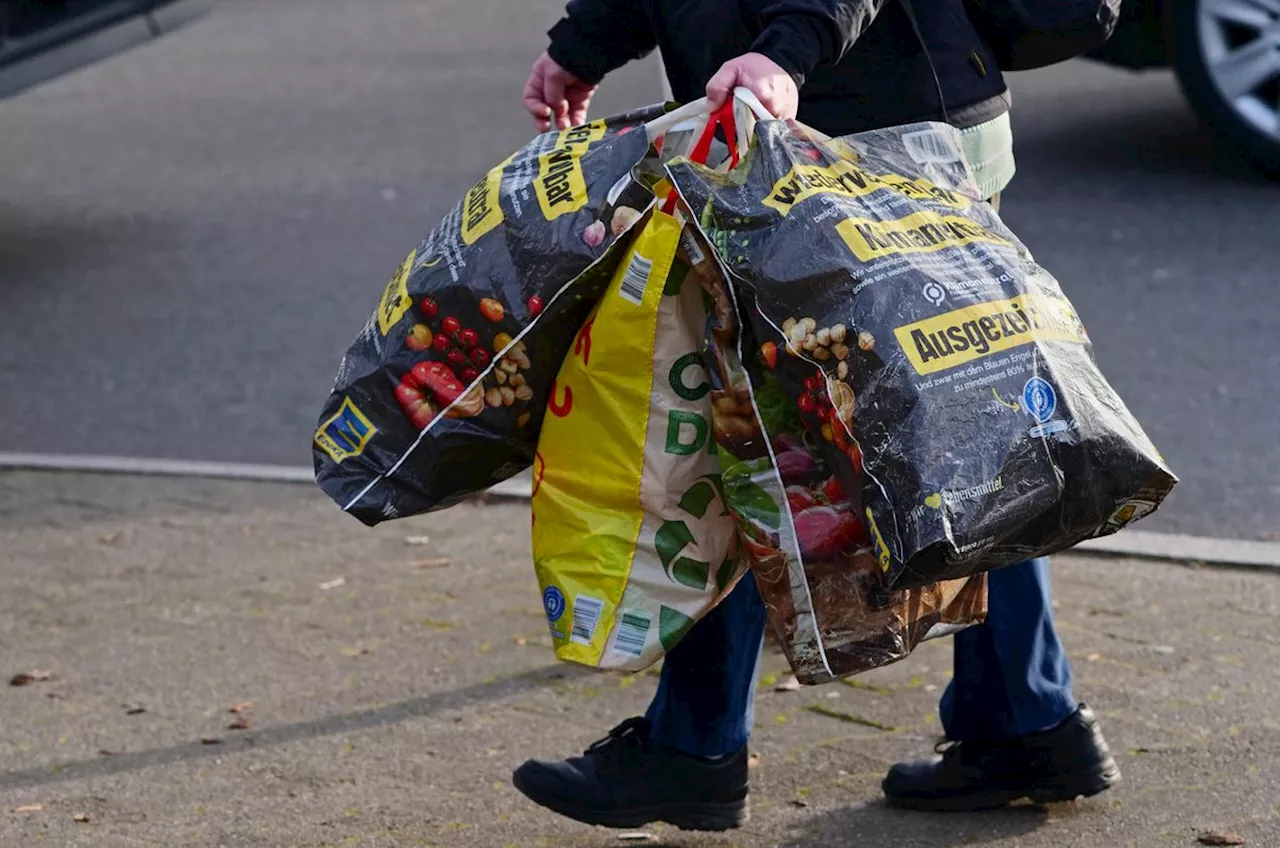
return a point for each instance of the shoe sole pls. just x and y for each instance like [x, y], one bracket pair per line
[1062, 788]
[690, 815]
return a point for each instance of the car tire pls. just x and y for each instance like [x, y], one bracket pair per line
[1227, 58]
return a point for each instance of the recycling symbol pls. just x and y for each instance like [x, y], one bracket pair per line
[674, 536]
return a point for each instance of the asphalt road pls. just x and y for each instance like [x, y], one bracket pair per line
[191, 234]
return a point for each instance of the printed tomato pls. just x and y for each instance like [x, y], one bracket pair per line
[450, 325]
[769, 355]
[825, 532]
[833, 490]
[419, 337]
[535, 306]
[799, 499]
[492, 310]
[429, 307]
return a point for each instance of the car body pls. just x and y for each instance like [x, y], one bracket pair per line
[43, 39]
[1226, 54]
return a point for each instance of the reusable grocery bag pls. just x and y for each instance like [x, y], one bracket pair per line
[443, 392]
[801, 527]
[828, 600]
[930, 361]
[632, 542]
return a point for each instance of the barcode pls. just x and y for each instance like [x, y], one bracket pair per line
[925, 146]
[633, 632]
[691, 249]
[586, 615]
[636, 278]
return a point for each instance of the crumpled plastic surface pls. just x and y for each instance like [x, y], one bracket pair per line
[916, 338]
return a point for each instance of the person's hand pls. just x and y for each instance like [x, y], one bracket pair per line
[553, 94]
[765, 78]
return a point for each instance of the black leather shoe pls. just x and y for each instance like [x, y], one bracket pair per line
[1065, 762]
[625, 780]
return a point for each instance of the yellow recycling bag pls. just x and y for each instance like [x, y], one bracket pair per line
[632, 542]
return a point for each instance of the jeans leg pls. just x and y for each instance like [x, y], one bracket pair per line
[705, 699]
[1011, 673]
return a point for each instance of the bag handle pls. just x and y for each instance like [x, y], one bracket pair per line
[696, 110]
[721, 118]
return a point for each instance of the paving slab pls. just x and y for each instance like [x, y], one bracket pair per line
[394, 676]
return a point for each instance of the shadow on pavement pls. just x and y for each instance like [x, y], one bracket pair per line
[879, 824]
[299, 731]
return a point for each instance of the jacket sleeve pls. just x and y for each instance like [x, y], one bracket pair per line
[800, 35]
[599, 36]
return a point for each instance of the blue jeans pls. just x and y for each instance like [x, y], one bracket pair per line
[1011, 673]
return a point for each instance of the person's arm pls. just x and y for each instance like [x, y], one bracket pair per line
[800, 35]
[599, 36]
[594, 38]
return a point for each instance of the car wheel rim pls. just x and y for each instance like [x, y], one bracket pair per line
[1240, 42]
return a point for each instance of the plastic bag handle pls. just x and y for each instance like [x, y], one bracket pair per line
[720, 118]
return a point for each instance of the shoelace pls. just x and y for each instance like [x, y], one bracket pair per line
[626, 741]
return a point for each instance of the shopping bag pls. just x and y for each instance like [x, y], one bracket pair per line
[443, 392]
[829, 603]
[918, 340]
[632, 542]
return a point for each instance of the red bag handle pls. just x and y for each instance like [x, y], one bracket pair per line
[722, 117]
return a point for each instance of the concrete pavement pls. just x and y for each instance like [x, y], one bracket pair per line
[395, 676]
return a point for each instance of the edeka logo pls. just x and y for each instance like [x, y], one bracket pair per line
[973, 332]
[395, 300]
[560, 185]
[481, 211]
[346, 432]
[922, 232]
[847, 179]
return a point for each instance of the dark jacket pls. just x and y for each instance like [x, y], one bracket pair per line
[858, 62]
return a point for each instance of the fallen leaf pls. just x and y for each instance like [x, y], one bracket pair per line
[210, 740]
[521, 641]
[832, 695]
[1218, 837]
[81, 817]
[29, 808]
[242, 722]
[639, 836]
[1093, 658]
[108, 752]
[417, 541]
[753, 761]
[57, 696]
[241, 707]
[331, 584]
[26, 678]
[799, 802]
[788, 684]
[433, 562]
[133, 709]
